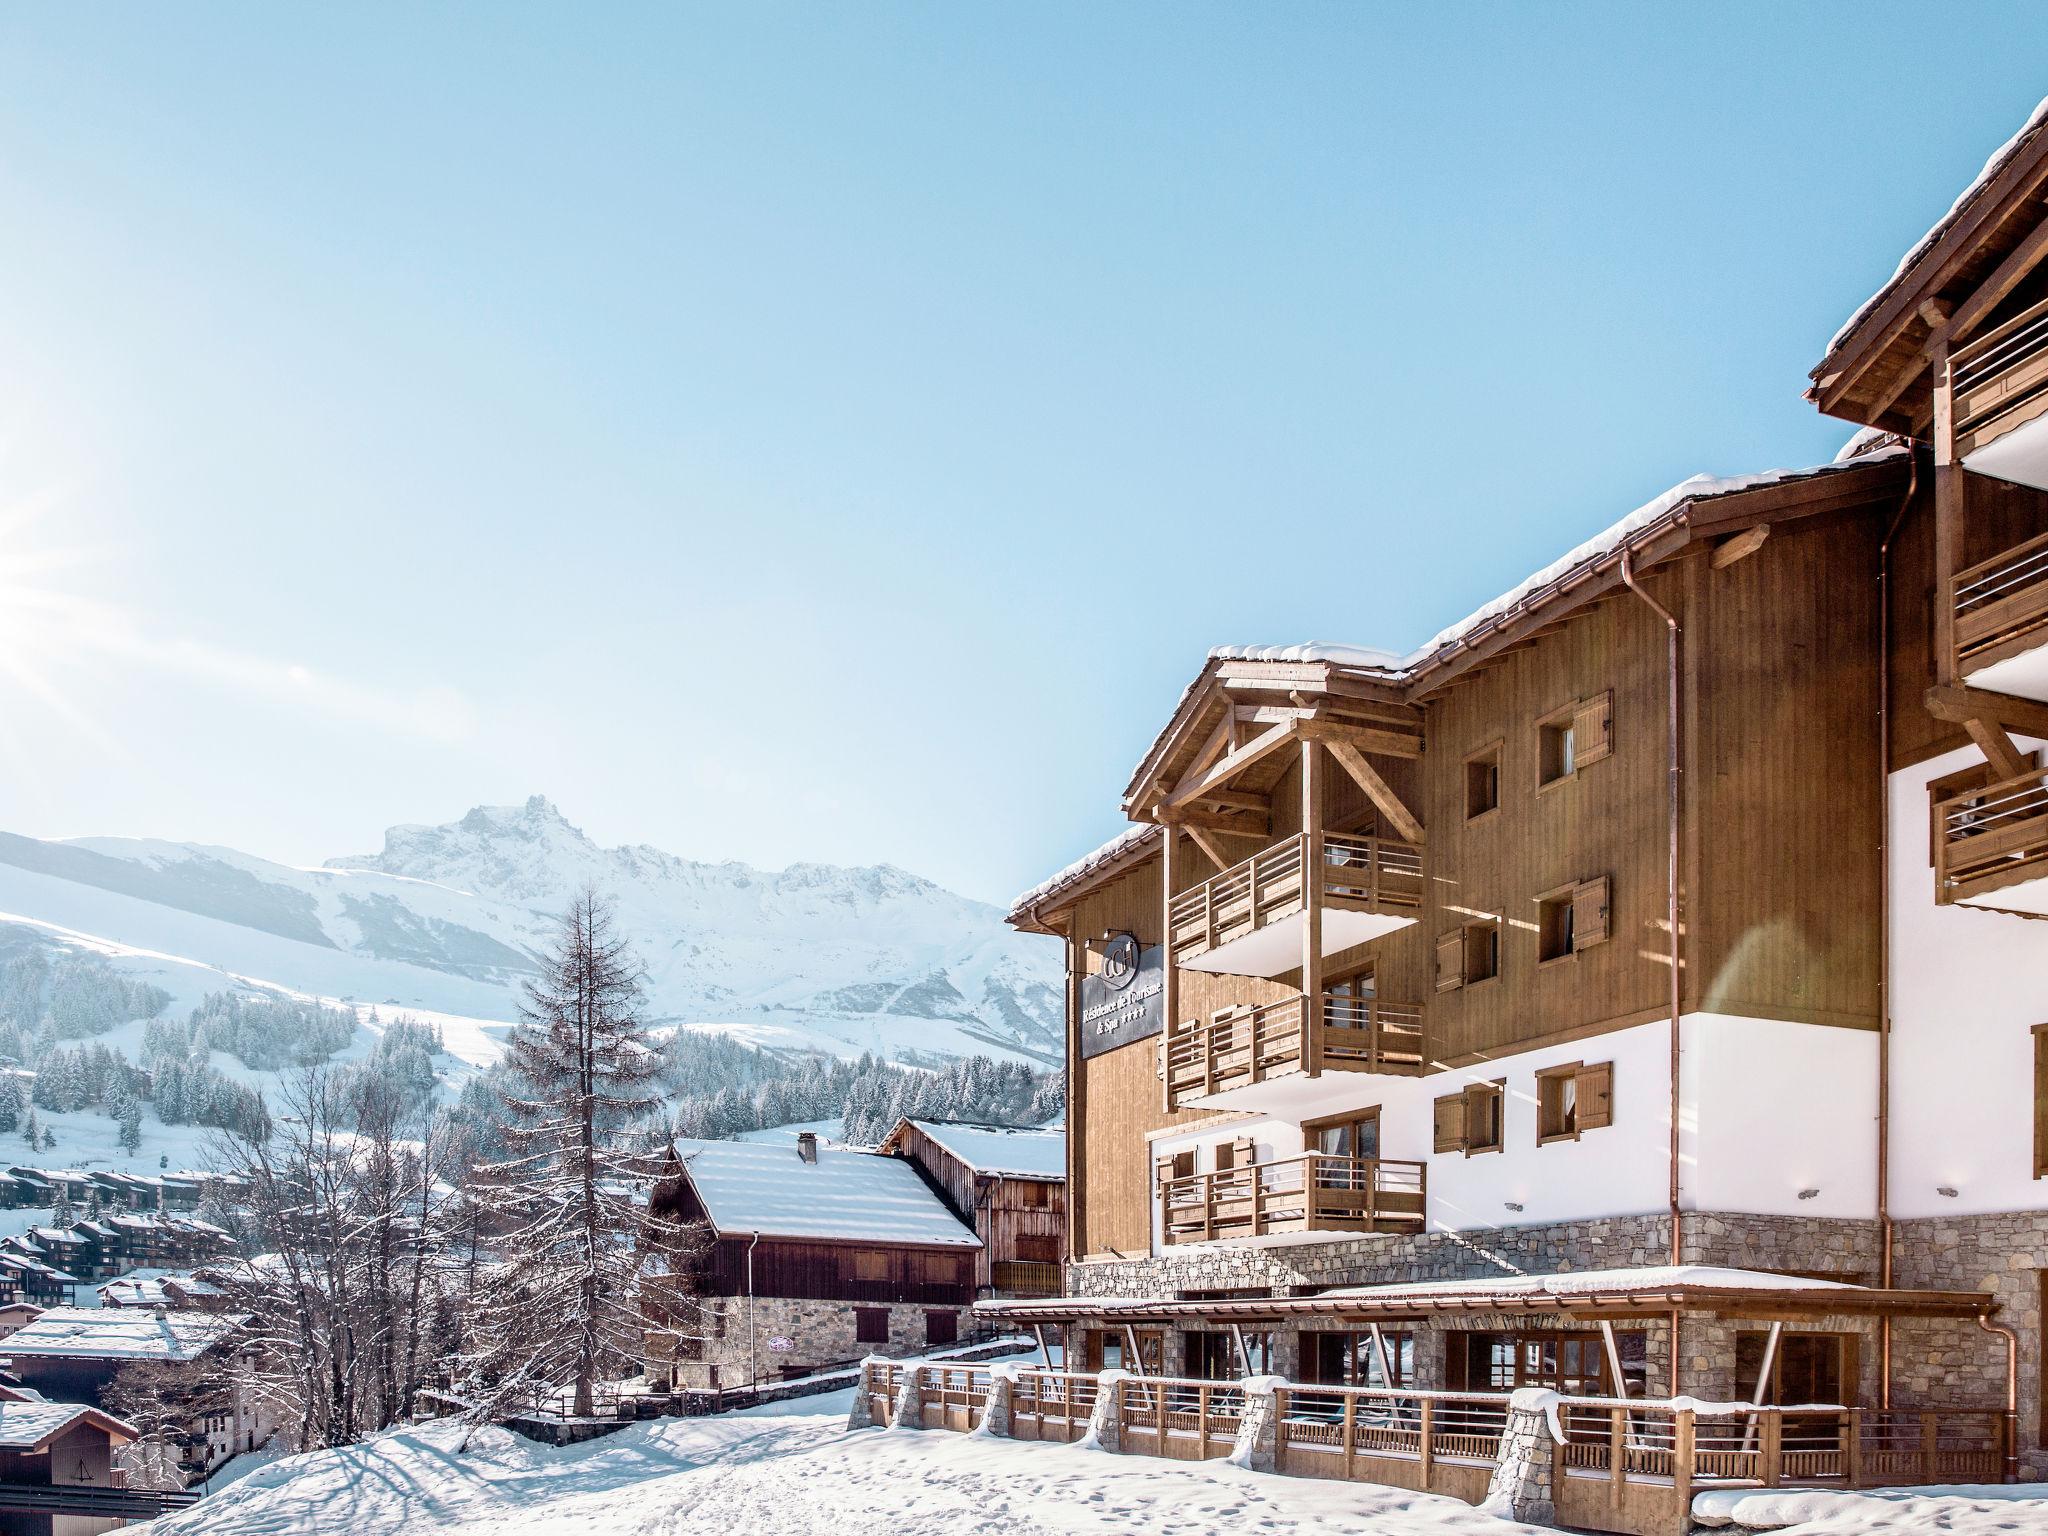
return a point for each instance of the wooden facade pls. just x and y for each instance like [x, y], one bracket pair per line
[1021, 1221]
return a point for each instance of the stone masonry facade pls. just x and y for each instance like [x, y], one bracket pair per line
[741, 1334]
[1935, 1363]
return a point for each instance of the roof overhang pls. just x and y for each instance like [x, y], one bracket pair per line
[1875, 370]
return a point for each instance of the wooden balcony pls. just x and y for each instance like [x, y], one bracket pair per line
[1022, 1278]
[2001, 624]
[2001, 400]
[1991, 845]
[1315, 1192]
[1239, 1048]
[1247, 920]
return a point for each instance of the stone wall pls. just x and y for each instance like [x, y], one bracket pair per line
[822, 1333]
[1947, 1363]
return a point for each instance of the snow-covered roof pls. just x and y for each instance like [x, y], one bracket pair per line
[154, 1288]
[1928, 241]
[1600, 1282]
[1002, 1149]
[25, 1426]
[845, 1195]
[1127, 841]
[125, 1333]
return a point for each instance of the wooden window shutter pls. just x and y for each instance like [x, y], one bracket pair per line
[1450, 960]
[1596, 1095]
[2040, 1100]
[1593, 729]
[1162, 1168]
[1450, 1123]
[1589, 913]
[1243, 1150]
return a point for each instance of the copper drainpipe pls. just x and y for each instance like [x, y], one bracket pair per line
[2012, 1394]
[1884, 926]
[1628, 576]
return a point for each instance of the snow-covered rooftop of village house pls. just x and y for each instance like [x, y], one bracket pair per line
[23, 1426]
[126, 1333]
[1927, 242]
[1028, 1154]
[148, 1288]
[847, 1195]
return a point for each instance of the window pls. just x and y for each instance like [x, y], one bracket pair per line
[940, 1327]
[1470, 1121]
[1573, 1099]
[1352, 1136]
[1482, 781]
[1571, 918]
[1352, 1360]
[1468, 954]
[870, 1325]
[1573, 738]
[869, 1265]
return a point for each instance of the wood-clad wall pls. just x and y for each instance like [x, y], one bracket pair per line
[1785, 798]
[1607, 819]
[1000, 1209]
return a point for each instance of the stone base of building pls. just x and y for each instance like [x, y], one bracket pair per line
[771, 1337]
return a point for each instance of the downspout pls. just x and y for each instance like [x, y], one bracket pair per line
[753, 1322]
[2012, 1394]
[1884, 926]
[1628, 577]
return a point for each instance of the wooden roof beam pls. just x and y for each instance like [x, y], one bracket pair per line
[1959, 704]
[1230, 765]
[1378, 790]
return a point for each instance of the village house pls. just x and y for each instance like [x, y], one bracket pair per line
[1635, 989]
[58, 1473]
[1009, 1185]
[75, 1354]
[813, 1256]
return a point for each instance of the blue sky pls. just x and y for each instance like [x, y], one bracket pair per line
[839, 432]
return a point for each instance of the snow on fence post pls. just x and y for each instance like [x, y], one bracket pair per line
[1258, 1426]
[1520, 1488]
[1106, 1419]
[1002, 1387]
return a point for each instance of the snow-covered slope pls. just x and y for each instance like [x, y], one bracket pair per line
[446, 919]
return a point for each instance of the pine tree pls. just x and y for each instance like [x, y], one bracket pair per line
[32, 1133]
[561, 1310]
[131, 1126]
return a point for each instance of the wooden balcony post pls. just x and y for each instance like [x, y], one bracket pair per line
[1169, 972]
[1852, 1448]
[1772, 1470]
[1428, 1446]
[1350, 1434]
[1948, 509]
[1682, 1443]
[1617, 1449]
[1311, 904]
[1930, 1448]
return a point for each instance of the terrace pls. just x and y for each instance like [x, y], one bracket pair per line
[1212, 1062]
[1249, 919]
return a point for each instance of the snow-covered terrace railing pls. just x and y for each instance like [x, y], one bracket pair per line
[1052, 1405]
[1377, 874]
[1991, 837]
[1346, 1422]
[2002, 606]
[1179, 1418]
[1237, 1047]
[1310, 1192]
[952, 1396]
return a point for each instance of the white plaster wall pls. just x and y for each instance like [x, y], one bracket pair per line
[1967, 986]
[1768, 1109]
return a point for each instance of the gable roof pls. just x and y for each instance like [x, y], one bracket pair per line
[1003, 1150]
[30, 1426]
[845, 1196]
[121, 1333]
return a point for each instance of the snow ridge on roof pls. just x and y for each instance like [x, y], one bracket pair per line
[845, 1195]
[1124, 842]
[24, 1426]
[1002, 1149]
[1927, 242]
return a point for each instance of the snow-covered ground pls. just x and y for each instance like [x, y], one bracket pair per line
[789, 1469]
[1973, 1510]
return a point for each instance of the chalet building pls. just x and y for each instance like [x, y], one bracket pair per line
[94, 1248]
[73, 1354]
[158, 1288]
[1636, 986]
[1009, 1185]
[57, 1470]
[815, 1256]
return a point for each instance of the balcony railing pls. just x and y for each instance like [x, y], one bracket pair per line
[1990, 839]
[1314, 1192]
[1024, 1278]
[1360, 874]
[2001, 379]
[1238, 1047]
[2002, 606]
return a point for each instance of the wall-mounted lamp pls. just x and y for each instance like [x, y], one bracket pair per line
[1808, 1194]
[1945, 1191]
[1513, 1205]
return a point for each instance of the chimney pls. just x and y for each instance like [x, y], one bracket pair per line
[807, 1146]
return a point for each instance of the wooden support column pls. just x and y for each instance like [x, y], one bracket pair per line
[1948, 511]
[1311, 905]
[1169, 973]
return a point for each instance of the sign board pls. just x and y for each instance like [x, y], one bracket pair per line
[1126, 999]
[780, 1345]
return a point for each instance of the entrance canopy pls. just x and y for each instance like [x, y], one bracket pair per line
[1652, 1291]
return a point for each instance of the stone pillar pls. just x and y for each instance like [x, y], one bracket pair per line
[1258, 1431]
[1520, 1487]
[909, 1412]
[1105, 1422]
[1432, 1357]
[861, 1414]
[1002, 1387]
[1286, 1359]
